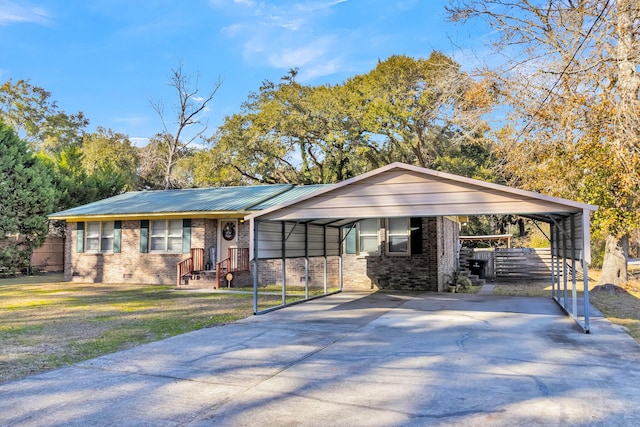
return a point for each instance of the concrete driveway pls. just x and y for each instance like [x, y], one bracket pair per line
[349, 360]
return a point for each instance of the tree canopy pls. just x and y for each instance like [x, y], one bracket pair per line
[419, 111]
[27, 197]
[572, 85]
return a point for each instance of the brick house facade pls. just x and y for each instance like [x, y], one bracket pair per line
[130, 265]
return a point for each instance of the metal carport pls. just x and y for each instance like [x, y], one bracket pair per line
[310, 225]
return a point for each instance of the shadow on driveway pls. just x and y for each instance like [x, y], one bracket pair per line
[382, 359]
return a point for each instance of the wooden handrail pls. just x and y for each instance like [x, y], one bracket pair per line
[238, 260]
[219, 267]
[184, 267]
[195, 262]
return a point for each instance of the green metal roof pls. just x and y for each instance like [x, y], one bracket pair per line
[292, 194]
[218, 199]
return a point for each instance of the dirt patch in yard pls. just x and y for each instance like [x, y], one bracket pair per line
[48, 325]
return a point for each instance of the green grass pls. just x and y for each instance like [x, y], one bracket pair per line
[45, 325]
[27, 280]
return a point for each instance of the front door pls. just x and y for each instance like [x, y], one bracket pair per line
[227, 239]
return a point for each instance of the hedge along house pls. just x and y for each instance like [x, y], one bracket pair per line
[397, 227]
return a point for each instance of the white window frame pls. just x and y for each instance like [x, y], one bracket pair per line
[391, 234]
[104, 237]
[369, 235]
[161, 242]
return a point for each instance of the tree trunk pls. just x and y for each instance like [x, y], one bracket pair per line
[614, 265]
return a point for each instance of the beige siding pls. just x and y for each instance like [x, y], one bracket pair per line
[404, 193]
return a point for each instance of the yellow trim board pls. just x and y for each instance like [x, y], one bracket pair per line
[159, 215]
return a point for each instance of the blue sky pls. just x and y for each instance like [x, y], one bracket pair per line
[108, 58]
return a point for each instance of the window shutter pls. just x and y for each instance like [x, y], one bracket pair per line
[350, 240]
[416, 235]
[144, 236]
[80, 237]
[117, 236]
[186, 236]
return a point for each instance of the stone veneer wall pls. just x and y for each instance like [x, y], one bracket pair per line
[130, 265]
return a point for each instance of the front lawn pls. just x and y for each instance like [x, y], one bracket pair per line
[48, 325]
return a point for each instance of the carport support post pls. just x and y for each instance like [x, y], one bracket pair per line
[564, 266]
[324, 251]
[574, 292]
[557, 261]
[306, 261]
[284, 264]
[585, 279]
[255, 266]
[340, 259]
[553, 262]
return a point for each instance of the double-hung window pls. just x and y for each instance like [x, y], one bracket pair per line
[398, 236]
[99, 237]
[401, 236]
[166, 236]
[368, 232]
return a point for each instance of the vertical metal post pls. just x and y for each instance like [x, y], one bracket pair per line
[284, 264]
[306, 260]
[255, 266]
[574, 291]
[553, 260]
[340, 260]
[558, 253]
[585, 279]
[324, 251]
[565, 295]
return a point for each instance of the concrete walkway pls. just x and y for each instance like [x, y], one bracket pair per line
[350, 360]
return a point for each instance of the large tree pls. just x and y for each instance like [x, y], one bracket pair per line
[29, 110]
[571, 82]
[184, 124]
[27, 197]
[112, 160]
[419, 111]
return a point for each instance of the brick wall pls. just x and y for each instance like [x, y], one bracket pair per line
[270, 272]
[448, 253]
[425, 272]
[210, 241]
[130, 265]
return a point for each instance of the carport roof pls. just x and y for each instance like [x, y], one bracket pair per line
[400, 190]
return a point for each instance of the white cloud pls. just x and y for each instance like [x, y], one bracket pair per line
[248, 3]
[132, 120]
[292, 25]
[320, 69]
[13, 13]
[287, 58]
[407, 4]
[317, 6]
[286, 35]
[139, 141]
